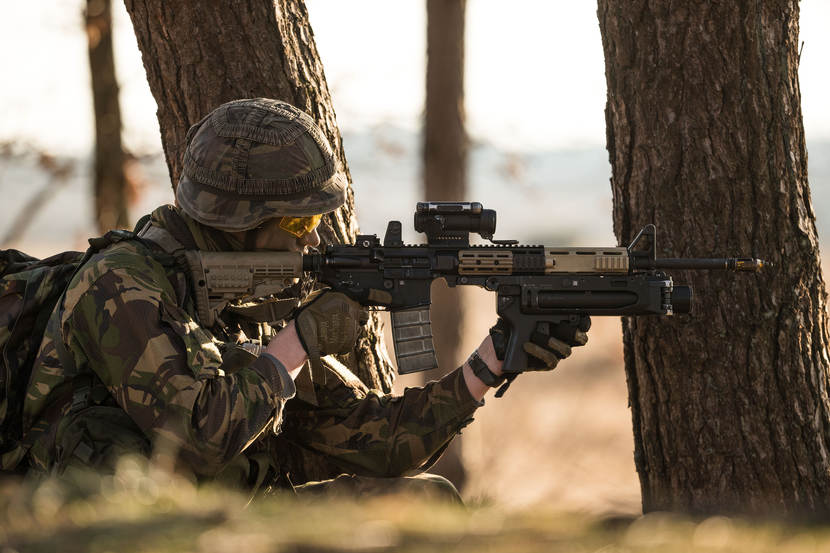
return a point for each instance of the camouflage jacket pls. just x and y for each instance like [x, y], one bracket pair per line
[153, 378]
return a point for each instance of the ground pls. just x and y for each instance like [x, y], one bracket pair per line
[143, 510]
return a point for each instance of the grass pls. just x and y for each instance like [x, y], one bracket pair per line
[140, 509]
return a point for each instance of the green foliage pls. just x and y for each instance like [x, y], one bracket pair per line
[142, 508]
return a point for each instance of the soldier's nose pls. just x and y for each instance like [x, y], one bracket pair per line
[312, 239]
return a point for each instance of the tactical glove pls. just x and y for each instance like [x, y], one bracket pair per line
[329, 323]
[548, 344]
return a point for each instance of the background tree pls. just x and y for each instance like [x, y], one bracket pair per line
[705, 139]
[109, 183]
[200, 54]
[445, 179]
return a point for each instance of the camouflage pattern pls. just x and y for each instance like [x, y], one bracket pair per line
[361, 431]
[250, 160]
[159, 380]
[29, 288]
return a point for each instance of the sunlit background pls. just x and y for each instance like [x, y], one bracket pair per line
[535, 99]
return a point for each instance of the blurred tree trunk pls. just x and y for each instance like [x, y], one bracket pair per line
[705, 139]
[109, 183]
[199, 55]
[445, 178]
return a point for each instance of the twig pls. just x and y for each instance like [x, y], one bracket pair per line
[59, 173]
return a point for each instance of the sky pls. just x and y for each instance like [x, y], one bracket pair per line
[373, 52]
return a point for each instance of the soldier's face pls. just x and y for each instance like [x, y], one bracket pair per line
[273, 238]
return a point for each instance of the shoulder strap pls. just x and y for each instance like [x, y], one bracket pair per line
[111, 237]
[142, 222]
[163, 238]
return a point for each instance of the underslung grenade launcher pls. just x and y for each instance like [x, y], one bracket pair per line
[535, 286]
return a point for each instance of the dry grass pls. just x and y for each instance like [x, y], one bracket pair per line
[143, 510]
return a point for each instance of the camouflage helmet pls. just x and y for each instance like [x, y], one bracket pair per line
[251, 160]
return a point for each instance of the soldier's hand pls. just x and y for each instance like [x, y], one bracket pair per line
[330, 323]
[548, 344]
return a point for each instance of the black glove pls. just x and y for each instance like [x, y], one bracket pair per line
[548, 344]
[329, 323]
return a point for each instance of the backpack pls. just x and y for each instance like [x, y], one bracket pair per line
[30, 289]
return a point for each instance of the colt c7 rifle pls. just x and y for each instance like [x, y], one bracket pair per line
[535, 286]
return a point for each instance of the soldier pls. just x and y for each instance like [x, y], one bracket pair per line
[127, 366]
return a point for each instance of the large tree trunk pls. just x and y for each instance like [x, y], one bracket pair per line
[199, 55]
[445, 179]
[705, 139]
[109, 183]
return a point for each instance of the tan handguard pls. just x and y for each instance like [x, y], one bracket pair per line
[557, 260]
[221, 277]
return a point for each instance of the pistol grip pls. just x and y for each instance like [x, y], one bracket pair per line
[412, 335]
[522, 325]
[509, 309]
[515, 357]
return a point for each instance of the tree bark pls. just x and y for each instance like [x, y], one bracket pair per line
[445, 179]
[445, 147]
[109, 183]
[705, 139]
[445, 136]
[199, 55]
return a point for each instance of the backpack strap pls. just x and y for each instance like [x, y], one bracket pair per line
[162, 237]
[142, 222]
[53, 328]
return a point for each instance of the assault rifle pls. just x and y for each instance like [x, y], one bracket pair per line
[535, 286]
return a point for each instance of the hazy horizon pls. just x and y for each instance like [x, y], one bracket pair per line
[548, 59]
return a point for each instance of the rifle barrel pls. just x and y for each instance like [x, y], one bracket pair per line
[721, 263]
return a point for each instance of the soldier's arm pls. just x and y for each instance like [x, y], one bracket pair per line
[163, 370]
[377, 434]
[478, 389]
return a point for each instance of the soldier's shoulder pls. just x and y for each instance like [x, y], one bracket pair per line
[129, 261]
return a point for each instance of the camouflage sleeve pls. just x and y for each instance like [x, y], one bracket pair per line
[163, 370]
[385, 435]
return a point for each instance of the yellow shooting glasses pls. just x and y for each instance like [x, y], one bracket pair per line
[300, 226]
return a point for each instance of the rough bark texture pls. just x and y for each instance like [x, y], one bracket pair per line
[705, 138]
[109, 184]
[445, 178]
[199, 55]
